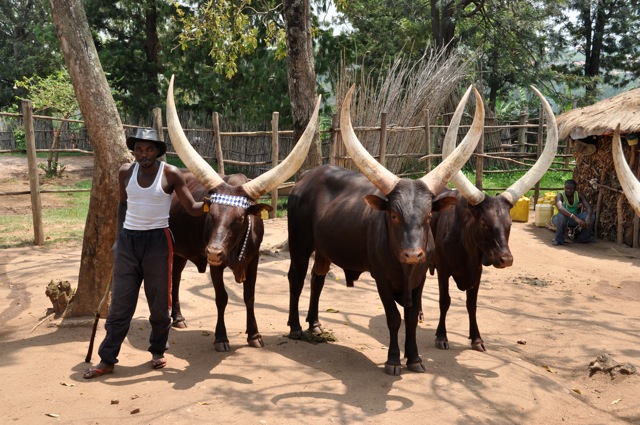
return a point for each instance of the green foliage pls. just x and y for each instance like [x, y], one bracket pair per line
[229, 28]
[55, 170]
[53, 94]
[28, 45]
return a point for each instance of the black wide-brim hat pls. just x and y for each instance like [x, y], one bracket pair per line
[147, 135]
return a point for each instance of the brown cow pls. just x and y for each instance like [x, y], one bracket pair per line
[231, 233]
[476, 232]
[341, 216]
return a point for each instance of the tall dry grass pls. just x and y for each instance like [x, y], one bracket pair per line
[407, 91]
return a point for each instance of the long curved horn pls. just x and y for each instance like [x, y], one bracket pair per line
[280, 173]
[629, 182]
[382, 178]
[439, 176]
[194, 162]
[535, 173]
[473, 195]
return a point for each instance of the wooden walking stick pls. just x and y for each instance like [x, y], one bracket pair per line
[95, 322]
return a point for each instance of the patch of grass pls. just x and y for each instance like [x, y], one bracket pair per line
[60, 225]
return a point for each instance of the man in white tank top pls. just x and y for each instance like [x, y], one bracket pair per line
[144, 248]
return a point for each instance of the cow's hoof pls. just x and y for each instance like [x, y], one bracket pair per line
[392, 369]
[416, 367]
[297, 334]
[478, 345]
[442, 344]
[316, 328]
[222, 346]
[256, 341]
[179, 323]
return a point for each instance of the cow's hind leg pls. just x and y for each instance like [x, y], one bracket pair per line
[298, 266]
[318, 272]
[411, 314]
[221, 342]
[474, 332]
[253, 335]
[176, 314]
[444, 301]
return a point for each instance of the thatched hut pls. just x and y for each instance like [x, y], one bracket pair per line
[589, 131]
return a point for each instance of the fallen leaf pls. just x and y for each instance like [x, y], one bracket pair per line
[204, 403]
[547, 368]
[575, 390]
[67, 385]
[53, 415]
[616, 401]
[332, 310]
[134, 411]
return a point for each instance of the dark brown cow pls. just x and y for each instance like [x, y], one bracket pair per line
[231, 233]
[341, 216]
[476, 233]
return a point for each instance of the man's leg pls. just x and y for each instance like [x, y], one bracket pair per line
[157, 287]
[585, 232]
[560, 223]
[124, 298]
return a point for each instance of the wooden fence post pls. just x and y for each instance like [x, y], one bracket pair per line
[34, 183]
[480, 162]
[427, 135]
[274, 161]
[522, 131]
[333, 149]
[383, 139]
[218, 141]
[157, 125]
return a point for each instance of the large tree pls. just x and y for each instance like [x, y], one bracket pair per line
[606, 32]
[27, 45]
[301, 73]
[107, 137]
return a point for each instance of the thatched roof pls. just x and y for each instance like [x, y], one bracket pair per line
[602, 117]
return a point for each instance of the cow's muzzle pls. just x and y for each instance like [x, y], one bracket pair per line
[413, 256]
[215, 255]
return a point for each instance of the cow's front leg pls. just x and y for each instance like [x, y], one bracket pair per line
[253, 335]
[411, 314]
[176, 275]
[472, 305]
[393, 365]
[444, 302]
[221, 342]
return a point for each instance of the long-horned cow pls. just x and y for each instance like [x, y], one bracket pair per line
[628, 181]
[375, 222]
[231, 233]
[476, 232]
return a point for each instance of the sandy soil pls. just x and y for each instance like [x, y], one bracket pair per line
[544, 320]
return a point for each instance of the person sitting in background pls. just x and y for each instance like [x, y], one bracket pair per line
[574, 213]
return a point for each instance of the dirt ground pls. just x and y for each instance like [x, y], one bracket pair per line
[544, 320]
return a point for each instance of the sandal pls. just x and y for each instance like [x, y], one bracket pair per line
[98, 370]
[158, 363]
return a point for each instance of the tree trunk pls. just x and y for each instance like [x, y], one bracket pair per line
[301, 74]
[107, 137]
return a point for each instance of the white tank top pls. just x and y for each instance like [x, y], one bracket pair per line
[147, 207]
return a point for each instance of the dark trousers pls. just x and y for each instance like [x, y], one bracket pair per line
[139, 256]
[561, 222]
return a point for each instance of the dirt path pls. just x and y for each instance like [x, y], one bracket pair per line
[543, 321]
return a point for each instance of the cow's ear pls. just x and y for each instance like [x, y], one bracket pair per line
[375, 202]
[258, 208]
[444, 201]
